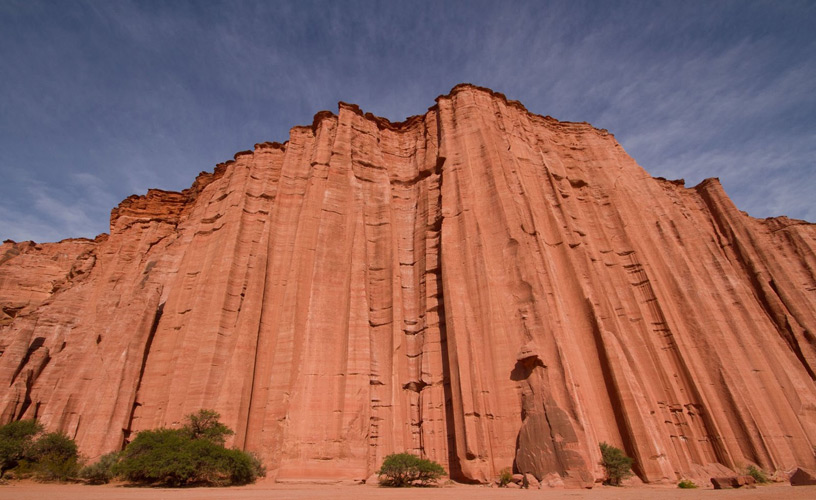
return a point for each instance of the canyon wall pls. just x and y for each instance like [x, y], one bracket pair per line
[479, 285]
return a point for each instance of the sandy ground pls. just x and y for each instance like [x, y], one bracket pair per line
[35, 491]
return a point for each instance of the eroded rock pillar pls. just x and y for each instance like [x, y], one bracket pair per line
[547, 442]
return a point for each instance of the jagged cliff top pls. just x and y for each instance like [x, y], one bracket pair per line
[204, 178]
[382, 123]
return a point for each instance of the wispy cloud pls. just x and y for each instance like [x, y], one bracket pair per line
[43, 212]
[104, 99]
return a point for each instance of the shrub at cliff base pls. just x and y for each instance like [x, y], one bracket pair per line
[758, 474]
[616, 464]
[100, 472]
[50, 457]
[16, 439]
[405, 469]
[54, 457]
[192, 455]
[505, 477]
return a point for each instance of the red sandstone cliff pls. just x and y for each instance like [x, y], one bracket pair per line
[479, 285]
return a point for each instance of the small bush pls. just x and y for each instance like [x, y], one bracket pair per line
[405, 469]
[49, 457]
[257, 465]
[102, 471]
[616, 464]
[505, 477]
[191, 455]
[16, 439]
[686, 484]
[55, 457]
[758, 474]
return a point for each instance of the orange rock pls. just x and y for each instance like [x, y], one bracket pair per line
[727, 483]
[479, 285]
[38, 271]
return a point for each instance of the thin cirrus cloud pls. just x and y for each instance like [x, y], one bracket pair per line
[106, 99]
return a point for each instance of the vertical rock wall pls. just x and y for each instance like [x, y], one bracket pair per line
[479, 285]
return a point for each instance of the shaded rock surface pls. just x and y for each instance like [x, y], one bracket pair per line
[480, 285]
[803, 477]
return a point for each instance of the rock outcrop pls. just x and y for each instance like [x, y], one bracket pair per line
[480, 285]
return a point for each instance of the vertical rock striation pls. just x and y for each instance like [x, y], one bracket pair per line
[480, 285]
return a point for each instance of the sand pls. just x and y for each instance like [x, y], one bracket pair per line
[35, 491]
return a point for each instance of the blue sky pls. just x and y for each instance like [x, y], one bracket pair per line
[103, 99]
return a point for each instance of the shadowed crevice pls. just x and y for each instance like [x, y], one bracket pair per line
[156, 319]
[614, 393]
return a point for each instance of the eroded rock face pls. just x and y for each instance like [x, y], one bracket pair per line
[38, 271]
[547, 441]
[480, 285]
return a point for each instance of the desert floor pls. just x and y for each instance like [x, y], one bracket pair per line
[35, 491]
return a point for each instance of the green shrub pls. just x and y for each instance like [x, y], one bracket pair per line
[205, 425]
[686, 484]
[55, 457]
[405, 469]
[758, 474]
[257, 465]
[505, 477]
[616, 464]
[102, 471]
[156, 456]
[49, 457]
[191, 455]
[217, 465]
[16, 439]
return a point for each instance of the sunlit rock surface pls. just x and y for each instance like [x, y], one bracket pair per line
[478, 285]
